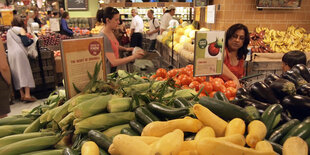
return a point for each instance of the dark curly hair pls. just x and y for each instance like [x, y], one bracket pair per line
[243, 51]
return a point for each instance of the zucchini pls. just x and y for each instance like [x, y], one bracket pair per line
[129, 131]
[276, 147]
[46, 152]
[308, 141]
[136, 126]
[181, 102]
[276, 121]
[68, 151]
[220, 96]
[301, 130]
[102, 152]
[252, 111]
[145, 116]
[282, 130]
[226, 111]
[115, 130]
[166, 111]
[100, 139]
[269, 116]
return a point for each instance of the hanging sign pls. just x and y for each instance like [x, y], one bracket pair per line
[209, 53]
[210, 14]
[54, 24]
[80, 56]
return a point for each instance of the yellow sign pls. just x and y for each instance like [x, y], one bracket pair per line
[80, 56]
[7, 17]
[197, 14]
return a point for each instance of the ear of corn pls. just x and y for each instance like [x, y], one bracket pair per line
[16, 119]
[115, 130]
[119, 104]
[29, 145]
[79, 99]
[34, 126]
[91, 107]
[185, 93]
[65, 121]
[46, 152]
[52, 113]
[61, 112]
[103, 121]
[18, 137]
[6, 130]
[43, 117]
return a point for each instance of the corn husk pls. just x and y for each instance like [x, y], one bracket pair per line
[79, 99]
[91, 107]
[103, 121]
[65, 121]
[6, 130]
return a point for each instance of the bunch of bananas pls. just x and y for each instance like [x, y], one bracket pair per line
[294, 38]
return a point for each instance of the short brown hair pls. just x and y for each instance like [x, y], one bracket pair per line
[17, 21]
[65, 15]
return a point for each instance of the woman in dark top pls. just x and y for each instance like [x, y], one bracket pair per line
[64, 29]
[17, 41]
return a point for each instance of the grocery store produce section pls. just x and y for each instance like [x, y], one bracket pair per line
[136, 115]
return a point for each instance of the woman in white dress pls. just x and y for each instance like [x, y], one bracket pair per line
[17, 41]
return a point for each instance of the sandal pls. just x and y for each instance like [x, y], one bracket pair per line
[31, 99]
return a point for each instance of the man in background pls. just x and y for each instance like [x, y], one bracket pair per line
[166, 18]
[154, 29]
[136, 28]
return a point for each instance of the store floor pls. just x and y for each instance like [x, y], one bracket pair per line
[18, 106]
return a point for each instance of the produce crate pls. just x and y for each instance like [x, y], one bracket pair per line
[264, 68]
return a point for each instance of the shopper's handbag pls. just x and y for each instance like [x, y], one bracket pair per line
[125, 39]
[32, 50]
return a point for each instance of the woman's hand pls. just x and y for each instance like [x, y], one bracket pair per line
[139, 54]
[236, 81]
[129, 49]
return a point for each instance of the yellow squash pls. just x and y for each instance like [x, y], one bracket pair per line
[90, 148]
[127, 145]
[256, 132]
[263, 146]
[205, 132]
[235, 138]
[169, 144]
[160, 128]
[208, 118]
[235, 126]
[295, 146]
[189, 146]
[216, 146]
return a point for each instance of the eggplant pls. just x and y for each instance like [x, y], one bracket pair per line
[242, 93]
[294, 77]
[270, 78]
[302, 70]
[282, 88]
[262, 92]
[304, 90]
[297, 105]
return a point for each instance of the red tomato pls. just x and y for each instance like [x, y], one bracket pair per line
[186, 80]
[227, 93]
[182, 71]
[232, 90]
[177, 83]
[144, 77]
[181, 76]
[211, 78]
[231, 98]
[202, 94]
[194, 85]
[159, 79]
[164, 79]
[203, 78]
[161, 73]
[230, 83]
[212, 94]
[207, 87]
[217, 85]
[220, 80]
[153, 76]
[191, 67]
[222, 88]
[213, 50]
[172, 73]
[185, 87]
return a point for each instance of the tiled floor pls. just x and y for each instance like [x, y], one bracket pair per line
[18, 106]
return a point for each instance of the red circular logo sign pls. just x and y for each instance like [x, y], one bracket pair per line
[94, 48]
